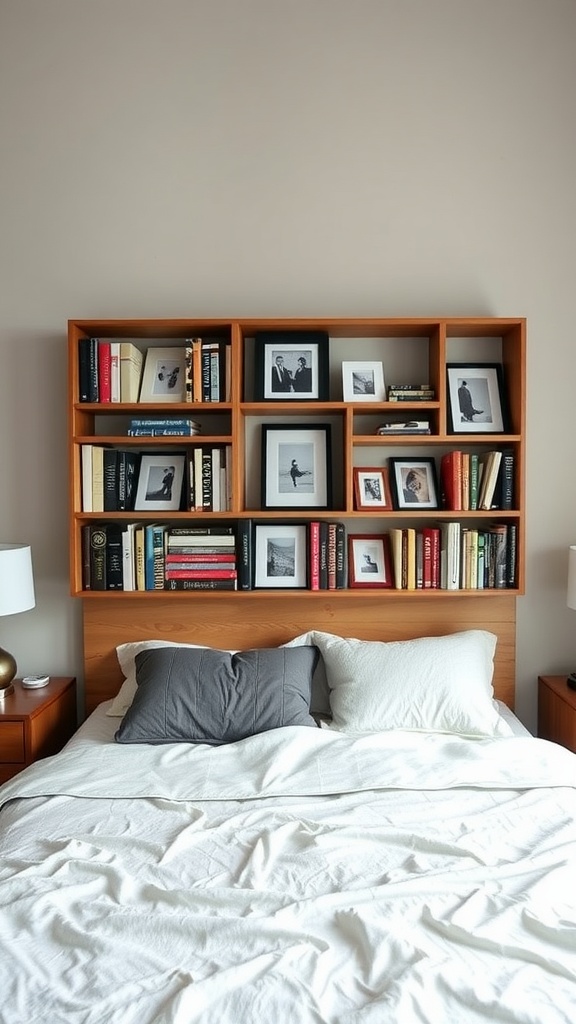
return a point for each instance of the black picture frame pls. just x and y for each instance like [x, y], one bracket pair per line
[414, 483]
[475, 398]
[302, 361]
[296, 466]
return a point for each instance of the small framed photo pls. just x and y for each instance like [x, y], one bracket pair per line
[414, 483]
[280, 555]
[372, 488]
[363, 382]
[296, 467]
[160, 483]
[475, 398]
[163, 379]
[369, 561]
[291, 366]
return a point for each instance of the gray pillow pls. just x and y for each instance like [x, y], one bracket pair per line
[205, 696]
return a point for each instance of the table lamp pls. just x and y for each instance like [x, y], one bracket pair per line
[571, 598]
[16, 595]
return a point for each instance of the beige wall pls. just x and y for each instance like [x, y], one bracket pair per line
[228, 157]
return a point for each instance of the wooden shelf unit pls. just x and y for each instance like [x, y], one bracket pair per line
[410, 348]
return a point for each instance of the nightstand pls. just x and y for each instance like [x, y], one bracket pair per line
[557, 711]
[35, 723]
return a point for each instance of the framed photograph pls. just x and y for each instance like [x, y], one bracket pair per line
[363, 382]
[475, 398]
[414, 483]
[369, 561]
[280, 555]
[291, 366]
[296, 463]
[372, 489]
[160, 483]
[163, 379]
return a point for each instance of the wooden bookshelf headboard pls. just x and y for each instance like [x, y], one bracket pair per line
[268, 619]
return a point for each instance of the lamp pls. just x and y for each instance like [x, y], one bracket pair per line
[16, 595]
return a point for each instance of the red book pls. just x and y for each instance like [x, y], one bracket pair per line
[104, 372]
[226, 556]
[451, 480]
[314, 553]
[431, 545]
[201, 574]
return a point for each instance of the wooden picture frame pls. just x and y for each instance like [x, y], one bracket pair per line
[280, 555]
[291, 366]
[372, 489]
[369, 561]
[164, 376]
[475, 394]
[363, 381]
[414, 483]
[296, 466]
[160, 482]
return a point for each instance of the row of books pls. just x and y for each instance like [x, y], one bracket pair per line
[207, 370]
[470, 481]
[454, 557]
[154, 556]
[125, 480]
[109, 371]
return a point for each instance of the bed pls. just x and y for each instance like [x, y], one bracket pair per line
[411, 858]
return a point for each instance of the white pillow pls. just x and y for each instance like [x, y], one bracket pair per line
[126, 654]
[431, 684]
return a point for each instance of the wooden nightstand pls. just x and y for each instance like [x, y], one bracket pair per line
[557, 711]
[35, 723]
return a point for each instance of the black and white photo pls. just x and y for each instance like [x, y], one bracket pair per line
[475, 398]
[369, 561]
[296, 466]
[280, 555]
[414, 483]
[372, 488]
[291, 366]
[160, 483]
[163, 379]
[363, 381]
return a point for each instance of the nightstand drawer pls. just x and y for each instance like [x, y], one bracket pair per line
[12, 742]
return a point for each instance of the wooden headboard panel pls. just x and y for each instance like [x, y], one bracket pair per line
[267, 620]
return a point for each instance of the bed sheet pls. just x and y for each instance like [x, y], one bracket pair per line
[400, 877]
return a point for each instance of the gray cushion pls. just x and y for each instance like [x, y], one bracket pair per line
[207, 696]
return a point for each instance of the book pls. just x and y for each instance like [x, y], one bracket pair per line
[201, 531]
[86, 556]
[489, 477]
[139, 556]
[408, 397]
[104, 379]
[114, 557]
[128, 468]
[410, 393]
[511, 554]
[196, 559]
[408, 427]
[98, 477]
[201, 574]
[206, 480]
[197, 455]
[164, 422]
[331, 556]
[158, 555]
[244, 546]
[503, 496]
[396, 549]
[97, 558]
[314, 555]
[323, 555]
[410, 387]
[131, 365]
[410, 533]
[114, 371]
[171, 562]
[450, 556]
[340, 556]
[128, 567]
[84, 371]
[498, 555]
[451, 480]
[149, 556]
[110, 473]
[474, 478]
[212, 584]
[191, 549]
[86, 470]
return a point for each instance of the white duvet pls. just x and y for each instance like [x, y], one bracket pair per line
[299, 876]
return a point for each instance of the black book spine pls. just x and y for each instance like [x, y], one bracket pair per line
[114, 573]
[97, 558]
[86, 573]
[200, 585]
[207, 480]
[93, 384]
[511, 554]
[84, 370]
[244, 554]
[206, 375]
[110, 480]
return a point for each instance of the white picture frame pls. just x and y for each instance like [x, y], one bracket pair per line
[363, 381]
[296, 466]
[164, 377]
[280, 555]
[156, 492]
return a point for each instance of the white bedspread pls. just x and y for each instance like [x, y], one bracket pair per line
[300, 876]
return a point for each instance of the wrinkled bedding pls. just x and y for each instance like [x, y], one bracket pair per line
[294, 877]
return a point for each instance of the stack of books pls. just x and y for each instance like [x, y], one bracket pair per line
[200, 558]
[168, 427]
[411, 393]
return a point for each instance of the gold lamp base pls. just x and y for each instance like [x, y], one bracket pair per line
[7, 673]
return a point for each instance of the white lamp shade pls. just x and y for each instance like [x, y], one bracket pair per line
[16, 579]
